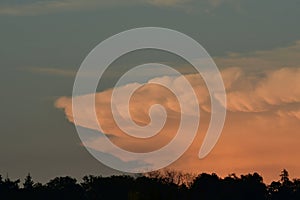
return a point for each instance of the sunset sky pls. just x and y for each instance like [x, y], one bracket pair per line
[255, 44]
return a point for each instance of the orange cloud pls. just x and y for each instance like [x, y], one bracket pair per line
[271, 90]
[260, 133]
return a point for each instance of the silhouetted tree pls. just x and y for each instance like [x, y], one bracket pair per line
[230, 188]
[9, 189]
[64, 188]
[296, 189]
[273, 190]
[98, 187]
[159, 185]
[206, 186]
[284, 176]
[28, 182]
[171, 176]
[252, 187]
[284, 189]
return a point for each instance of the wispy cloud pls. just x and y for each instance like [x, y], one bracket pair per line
[167, 2]
[53, 71]
[288, 56]
[43, 7]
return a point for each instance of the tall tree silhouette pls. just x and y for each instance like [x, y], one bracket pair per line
[28, 182]
[284, 177]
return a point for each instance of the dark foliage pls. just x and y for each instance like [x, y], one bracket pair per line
[156, 185]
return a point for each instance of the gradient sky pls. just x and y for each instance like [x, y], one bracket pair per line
[254, 43]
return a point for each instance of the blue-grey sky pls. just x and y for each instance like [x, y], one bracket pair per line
[43, 42]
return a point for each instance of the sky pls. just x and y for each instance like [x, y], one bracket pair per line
[255, 44]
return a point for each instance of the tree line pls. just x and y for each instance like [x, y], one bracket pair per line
[164, 185]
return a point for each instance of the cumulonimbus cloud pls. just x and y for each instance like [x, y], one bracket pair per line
[246, 92]
[262, 126]
[254, 101]
[271, 92]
